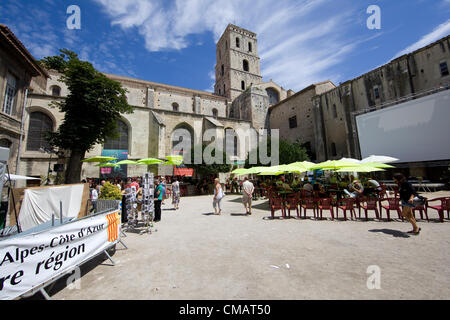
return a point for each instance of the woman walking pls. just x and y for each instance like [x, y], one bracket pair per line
[218, 195]
[407, 193]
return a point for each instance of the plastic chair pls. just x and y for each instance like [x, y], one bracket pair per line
[393, 204]
[292, 203]
[370, 204]
[277, 204]
[326, 204]
[349, 204]
[444, 206]
[308, 203]
[422, 209]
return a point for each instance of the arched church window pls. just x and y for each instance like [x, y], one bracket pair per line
[224, 89]
[333, 149]
[274, 97]
[175, 107]
[215, 113]
[39, 125]
[121, 143]
[243, 85]
[250, 47]
[238, 43]
[223, 70]
[245, 65]
[56, 91]
[5, 143]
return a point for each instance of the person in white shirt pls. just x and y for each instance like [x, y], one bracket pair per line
[176, 194]
[94, 198]
[247, 195]
[218, 195]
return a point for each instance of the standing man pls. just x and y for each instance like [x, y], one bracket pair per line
[158, 200]
[247, 195]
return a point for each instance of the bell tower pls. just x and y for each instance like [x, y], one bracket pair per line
[238, 63]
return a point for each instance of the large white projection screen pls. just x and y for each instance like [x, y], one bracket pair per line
[417, 130]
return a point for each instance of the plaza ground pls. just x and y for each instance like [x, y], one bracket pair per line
[197, 255]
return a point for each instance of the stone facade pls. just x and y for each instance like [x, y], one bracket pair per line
[17, 69]
[411, 74]
[295, 119]
[238, 63]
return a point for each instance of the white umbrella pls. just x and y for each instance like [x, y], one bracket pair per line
[351, 160]
[379, 159]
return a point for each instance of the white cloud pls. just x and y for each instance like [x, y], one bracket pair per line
[296, 49]
[439, 32]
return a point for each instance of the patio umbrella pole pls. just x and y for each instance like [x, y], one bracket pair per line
[13, 200]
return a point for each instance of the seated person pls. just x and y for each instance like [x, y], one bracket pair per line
[307, 186]
[356, 188]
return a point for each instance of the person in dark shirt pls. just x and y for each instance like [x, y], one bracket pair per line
[407, 193]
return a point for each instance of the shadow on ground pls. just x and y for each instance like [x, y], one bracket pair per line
[394, 233]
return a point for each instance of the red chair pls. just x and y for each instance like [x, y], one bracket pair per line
[305, 194]
[422, 209]
[349, 204]
[308, 203]
[326, 204]
[292, 203]
[393, 204]
[370, 204]
[444, 206]
[277, 204]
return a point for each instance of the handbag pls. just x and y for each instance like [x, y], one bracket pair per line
[419, 200]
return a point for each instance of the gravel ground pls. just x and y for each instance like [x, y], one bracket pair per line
[197, 255]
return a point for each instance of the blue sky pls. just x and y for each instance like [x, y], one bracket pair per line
[173, 41]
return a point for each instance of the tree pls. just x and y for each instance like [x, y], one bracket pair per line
[288, 152]
[91, 109]
[208, 169]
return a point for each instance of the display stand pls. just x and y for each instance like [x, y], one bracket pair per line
[148, 201]
[131, 208]
[147, 206]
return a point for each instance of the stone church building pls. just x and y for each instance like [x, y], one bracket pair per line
[240, 101]
[320, 116]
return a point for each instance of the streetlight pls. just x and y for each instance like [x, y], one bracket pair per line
[50, 151]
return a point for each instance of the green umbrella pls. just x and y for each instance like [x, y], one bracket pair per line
[126, 162]
[360, 169]
[294, 168]
[107, 165]
[378, 165]
[304, 165]
[174, 158]
[333, 165]
[99, 159]
[274, 173]
[149, 161]
[240, 170]
[173, 163]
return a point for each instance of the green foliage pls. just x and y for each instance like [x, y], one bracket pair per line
[91, 109]
[204, 169]
[288, 153]
[110, 192]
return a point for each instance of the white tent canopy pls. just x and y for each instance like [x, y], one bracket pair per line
[16, 177]
[379, 159]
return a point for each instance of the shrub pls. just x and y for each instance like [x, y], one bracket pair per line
[110, 192]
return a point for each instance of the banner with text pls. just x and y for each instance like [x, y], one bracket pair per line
[31, 260]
